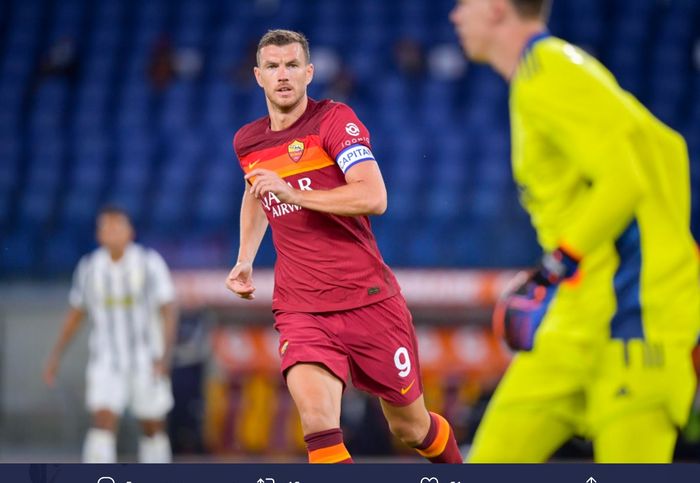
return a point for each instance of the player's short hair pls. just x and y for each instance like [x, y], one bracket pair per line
[532, 8]
[280, 38]
[112, 209]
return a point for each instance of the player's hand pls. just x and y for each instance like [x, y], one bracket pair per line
[240, 280]
[556, 267]
[161, 367]
[523, 305]
[50, 372]
[266, 181]
[520, 310]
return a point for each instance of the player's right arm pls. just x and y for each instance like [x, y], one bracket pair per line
[253, 226]
[72, 323]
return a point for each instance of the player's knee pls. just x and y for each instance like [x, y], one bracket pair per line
[317, 417]
[409, 433]
[104, 419]
[152, 427]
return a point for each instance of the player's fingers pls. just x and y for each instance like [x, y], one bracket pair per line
[245, 290]
[242, 287]
[257, 183]
[260, 172]
[248, 295]
[257, 188]
[232, 286]
[256, 172]
[237, 278]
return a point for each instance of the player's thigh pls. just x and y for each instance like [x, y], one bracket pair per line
[638, 375]
[106, 389]
[520, 434]
[311, 339]
[151, 395]
[383, 351]
[640, 382]
[645, 436]
[535, 409]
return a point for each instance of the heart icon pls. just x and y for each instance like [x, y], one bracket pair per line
[432, 479]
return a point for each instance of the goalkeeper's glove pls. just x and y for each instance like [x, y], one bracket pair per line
[521, 308]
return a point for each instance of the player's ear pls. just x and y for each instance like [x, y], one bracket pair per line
[498, 10]
[309, 73]
[258, 75]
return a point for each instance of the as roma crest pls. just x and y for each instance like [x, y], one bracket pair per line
[295, 150]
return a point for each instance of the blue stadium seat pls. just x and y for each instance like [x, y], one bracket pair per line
[10, 152]
[66, 147]
[79, 208]
[177, 106]
[215, 208]
[62, 253]
[18, 254]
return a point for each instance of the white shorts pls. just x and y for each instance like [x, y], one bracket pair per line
[139, 390]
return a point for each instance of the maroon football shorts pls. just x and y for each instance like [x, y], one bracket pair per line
[375, 344]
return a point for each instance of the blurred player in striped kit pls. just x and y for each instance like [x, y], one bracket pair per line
[606, 325]
[127, 293]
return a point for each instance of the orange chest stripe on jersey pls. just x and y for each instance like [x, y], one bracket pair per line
[280, 162]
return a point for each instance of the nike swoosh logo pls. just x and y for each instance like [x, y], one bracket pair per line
[404, 390]
[252, 165]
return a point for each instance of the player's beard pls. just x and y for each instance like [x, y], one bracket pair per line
[285, 104]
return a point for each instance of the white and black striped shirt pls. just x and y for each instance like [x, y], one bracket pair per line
[123, 299]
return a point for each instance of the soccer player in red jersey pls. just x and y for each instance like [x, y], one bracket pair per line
[338, 308]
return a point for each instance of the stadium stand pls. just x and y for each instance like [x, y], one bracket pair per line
[88, 117]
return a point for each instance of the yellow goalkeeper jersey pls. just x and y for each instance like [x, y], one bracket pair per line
[602, 177]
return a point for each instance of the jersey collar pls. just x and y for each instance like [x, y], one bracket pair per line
[529, 45]
[532, 41]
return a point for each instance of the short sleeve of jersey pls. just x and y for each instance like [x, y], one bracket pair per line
[76, 296]
[236, 143]
[344, 137]
[162, 287]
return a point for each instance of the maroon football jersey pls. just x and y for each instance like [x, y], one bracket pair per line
[324, 262]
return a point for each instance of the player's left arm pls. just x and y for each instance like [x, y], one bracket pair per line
[363, 194]
[169, 316]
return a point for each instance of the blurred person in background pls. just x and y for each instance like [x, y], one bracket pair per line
[126, 291]
[61, 60]
[312, 177]
[168, 63]
[604, 328]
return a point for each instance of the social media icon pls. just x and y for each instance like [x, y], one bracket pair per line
[429, 479]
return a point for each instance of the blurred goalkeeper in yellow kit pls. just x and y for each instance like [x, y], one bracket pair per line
[605, 326]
